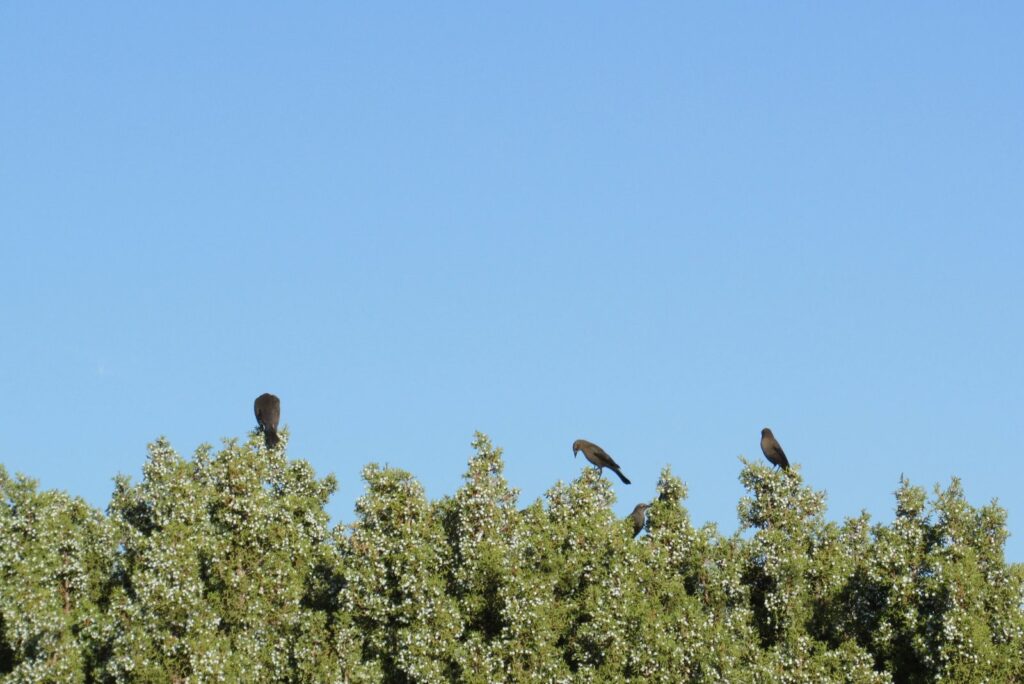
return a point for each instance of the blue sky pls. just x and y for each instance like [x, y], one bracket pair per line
[659, 227]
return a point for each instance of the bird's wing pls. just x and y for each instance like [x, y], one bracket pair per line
[777, 448]
[601, 453]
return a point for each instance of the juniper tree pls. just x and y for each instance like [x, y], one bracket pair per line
[219, 566]
[791, 571]
[507, 607]
[935, 601]
[394, 603]
[56, 555]
[661, 628]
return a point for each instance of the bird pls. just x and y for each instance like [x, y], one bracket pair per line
[639, 517]
[268, 412]
[598, 457]
[773, 450]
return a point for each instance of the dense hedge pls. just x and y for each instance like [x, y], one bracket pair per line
[223, 569]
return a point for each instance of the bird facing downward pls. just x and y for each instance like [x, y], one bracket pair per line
[598, 457]
[268, 413]
[639, 517]
[773, 450]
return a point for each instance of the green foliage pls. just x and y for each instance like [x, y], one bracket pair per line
[56, 554]
[394, 603]
[223, 568]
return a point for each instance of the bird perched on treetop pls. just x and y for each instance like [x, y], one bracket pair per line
[639, 516]
[598, 457]
[268, 412]
[773, 450]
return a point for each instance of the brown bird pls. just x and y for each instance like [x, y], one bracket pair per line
[268, 412]
[639, 516]
[598, 457]
[773, 450]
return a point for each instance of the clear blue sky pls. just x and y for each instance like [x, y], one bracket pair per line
[658, 227]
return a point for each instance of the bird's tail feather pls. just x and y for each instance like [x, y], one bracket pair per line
[270, 437]
[625, 480]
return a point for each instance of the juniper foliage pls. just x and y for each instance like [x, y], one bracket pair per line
[222, 568]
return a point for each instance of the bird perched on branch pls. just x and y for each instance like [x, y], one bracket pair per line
[773, 450]
[598, 457]
[268, 412]
[639, 517]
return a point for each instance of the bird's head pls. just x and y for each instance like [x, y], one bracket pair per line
[576, 446]
[641, 507]
[765, 432]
